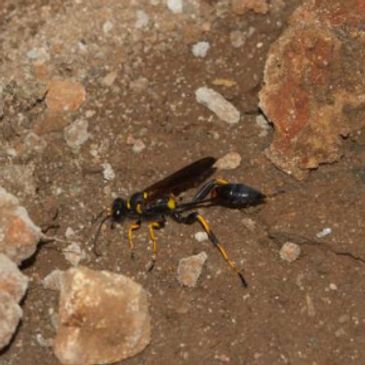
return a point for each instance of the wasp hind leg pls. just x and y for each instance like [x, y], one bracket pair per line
[152, 226]
[196, 217]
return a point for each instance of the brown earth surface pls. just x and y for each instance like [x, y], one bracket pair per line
[310, 311]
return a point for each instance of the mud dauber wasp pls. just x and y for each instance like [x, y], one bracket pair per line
[158, 201]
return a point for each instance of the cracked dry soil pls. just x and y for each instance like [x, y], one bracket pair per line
[310, 311]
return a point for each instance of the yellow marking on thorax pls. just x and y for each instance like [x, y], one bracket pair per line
[171, 203]
[139, 208]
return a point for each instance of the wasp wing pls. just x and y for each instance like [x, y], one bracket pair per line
[183, 179]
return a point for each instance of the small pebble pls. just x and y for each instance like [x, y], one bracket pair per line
[201, 236]
[200, 49]
[333, 286]
[325, 232]
[53, 280]
[216, 103]
[138, 146]
[76, 133]
[190, 269]
[263, 124]
[230, 161]
[237, 38]
[142, 19]
[73, 253]
[108, 172]
[109, 79]
[107, 27]
[290, 251]
[175, 6]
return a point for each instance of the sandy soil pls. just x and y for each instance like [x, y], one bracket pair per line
[310, 311]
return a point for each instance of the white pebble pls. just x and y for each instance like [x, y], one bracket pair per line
[201, 236]
[216, 103]
[325, 232]
[108, 172]
[200, 49]
[175, 6]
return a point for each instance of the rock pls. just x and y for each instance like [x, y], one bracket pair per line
[310, 111]
[65, 95]
[228, 162]
[201, 236]
[262, 123]
[13, 285]
[108, 172]
[175, 6]
[74, 254]
[103, 318]
[53, 280]
[200, 49]
[325, 232]
[76, 134]
[217, 104]
[242, 6]
[109, 79]
[18, 234]
[237, 38]
[137, 144]
[12, 281]
[190, 269]
[10, 315]
[142, 19]
[107, 27]
[290, 251]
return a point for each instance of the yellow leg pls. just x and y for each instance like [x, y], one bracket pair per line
[132, 228]
[151, 229]
[220, 248]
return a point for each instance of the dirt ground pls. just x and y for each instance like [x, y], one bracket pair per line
[310, 311]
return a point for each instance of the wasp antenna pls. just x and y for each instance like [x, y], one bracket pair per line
[96, 252]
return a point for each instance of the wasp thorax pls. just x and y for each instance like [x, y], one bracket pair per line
[119, 209]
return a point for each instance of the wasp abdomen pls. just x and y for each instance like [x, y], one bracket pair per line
[237, 195]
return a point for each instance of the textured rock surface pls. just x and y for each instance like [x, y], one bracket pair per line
[18, 234]
[12, 281]
[313, 93]
[10, 314]
[103, 318]
[13, 285]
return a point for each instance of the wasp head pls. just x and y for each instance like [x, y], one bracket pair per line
[119, 210]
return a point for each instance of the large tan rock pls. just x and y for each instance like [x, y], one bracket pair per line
[103, 318]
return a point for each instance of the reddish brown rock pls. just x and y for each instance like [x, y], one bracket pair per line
[311, 77]
[19, 236]
[103, 318]
[65, 95]
[242, 6]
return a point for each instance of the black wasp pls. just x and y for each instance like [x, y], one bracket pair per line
[158, 201]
